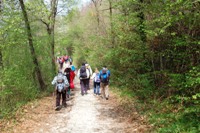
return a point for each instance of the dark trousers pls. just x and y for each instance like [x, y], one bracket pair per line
[68, 92]
[83, 83]
[88, 84]
[58, 97]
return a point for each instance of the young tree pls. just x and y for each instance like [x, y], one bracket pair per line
[30, 40]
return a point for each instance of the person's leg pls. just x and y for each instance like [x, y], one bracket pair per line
[64, 98]
[107, 91]
[67, 95]
[103, 90]
[95, 91]
[61, 65]
[69, 91]
[97, 88]
[100, 88]
[88, 84]
[85, 85]
[82, 87]
[58, 96]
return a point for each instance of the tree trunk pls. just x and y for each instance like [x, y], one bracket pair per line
[54, 4]
[95, 2]
[111, 24]
[1, 56]
[30, 40]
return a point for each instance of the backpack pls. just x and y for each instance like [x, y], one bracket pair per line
[67, 73]
[73, 68]
[60, 83]
[83, 73]
[60, 78]
[97, 78]
[104, 76]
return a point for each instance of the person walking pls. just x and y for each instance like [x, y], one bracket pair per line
[60, 61]
[88, 67]
[105, 78]
[67, 74]
[83, 75]
[60, 82]
[96, 81]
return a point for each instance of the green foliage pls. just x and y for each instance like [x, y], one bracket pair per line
[151, 48]
[178, 120]
[16, 90]
[17, 83]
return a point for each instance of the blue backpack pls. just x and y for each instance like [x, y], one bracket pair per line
[104, 76]
[73, 68]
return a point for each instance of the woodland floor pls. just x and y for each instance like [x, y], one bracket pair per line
[84, 114]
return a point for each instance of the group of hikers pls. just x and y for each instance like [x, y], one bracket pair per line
[99, 79]
[64, 80]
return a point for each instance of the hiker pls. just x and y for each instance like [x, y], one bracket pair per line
[72, 76]
[65, 57]
[67, 74]
[70, 59]
[83, 75]
[66, 64]
[60, 82]
[90, 74]
[61, 61]
[96, 81]
[105, 77]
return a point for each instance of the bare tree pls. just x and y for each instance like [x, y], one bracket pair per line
[96, 3]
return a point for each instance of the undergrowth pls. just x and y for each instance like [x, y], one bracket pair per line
[164, 116]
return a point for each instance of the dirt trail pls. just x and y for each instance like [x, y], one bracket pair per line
[84, 114]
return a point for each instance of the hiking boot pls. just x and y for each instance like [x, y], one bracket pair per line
[106, 98]
[57, 108]
[65, 105]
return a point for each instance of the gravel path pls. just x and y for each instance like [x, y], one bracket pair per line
[84, 114]
[88, 115]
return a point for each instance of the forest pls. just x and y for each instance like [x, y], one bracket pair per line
[151, 47]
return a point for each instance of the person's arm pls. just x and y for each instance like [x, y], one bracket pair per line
[54, 81]
[90, 71]
[109, 73]
[78, 74]
[100, 75]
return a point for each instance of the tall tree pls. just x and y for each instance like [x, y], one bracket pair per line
[96, 5]
[52, 16]
[111, 23]
[50, 27]
[30, 40]
[1, 56]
